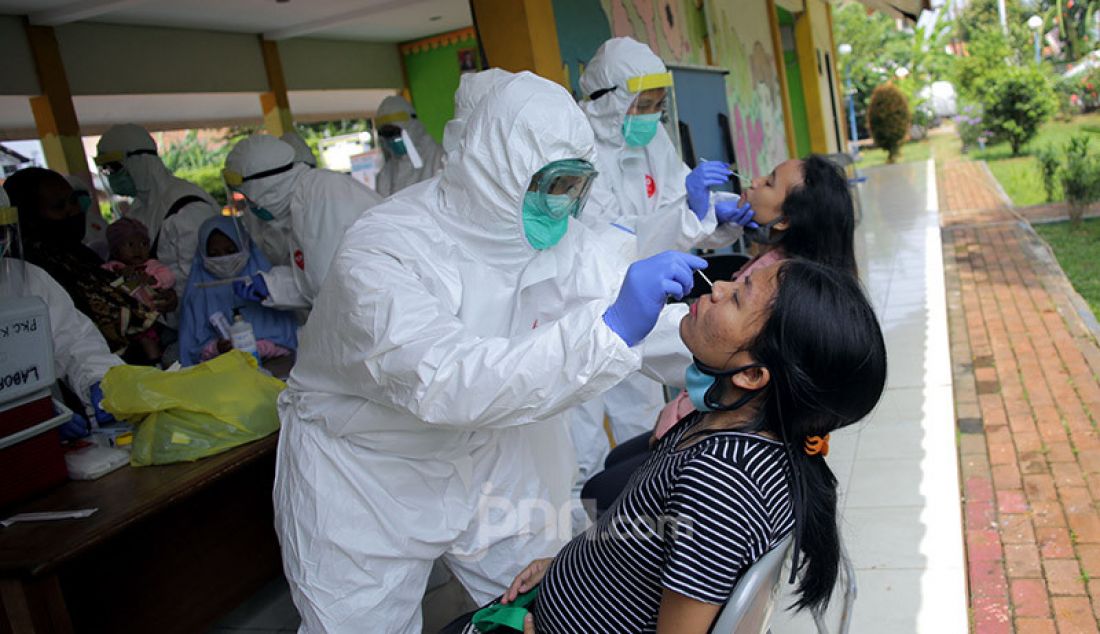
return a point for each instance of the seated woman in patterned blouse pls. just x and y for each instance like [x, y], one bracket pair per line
[783, 356]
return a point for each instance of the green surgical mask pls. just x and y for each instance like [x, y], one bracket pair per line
[541, 230]
[639, 129]
[122, 184]
[397, 146]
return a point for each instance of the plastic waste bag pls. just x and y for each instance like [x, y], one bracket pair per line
[196, 412]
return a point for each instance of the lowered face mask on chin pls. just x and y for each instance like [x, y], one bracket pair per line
[702, 387]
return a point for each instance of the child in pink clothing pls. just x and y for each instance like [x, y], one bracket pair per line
[146, 279]
[128, 241]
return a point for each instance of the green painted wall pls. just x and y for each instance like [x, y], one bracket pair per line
[433, 78]
[801, 121]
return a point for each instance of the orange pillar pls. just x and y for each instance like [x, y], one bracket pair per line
[520, 35]
[275, 103]
[54, 114]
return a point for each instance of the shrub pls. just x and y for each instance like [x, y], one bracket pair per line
[970, 125]
[888, 117]
[1049, 164]
[1018, 100]
[1080, 177]
[209, 178]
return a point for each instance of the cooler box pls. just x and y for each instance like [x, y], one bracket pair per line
[31, 457]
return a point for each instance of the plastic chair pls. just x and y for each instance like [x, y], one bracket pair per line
[749, 608]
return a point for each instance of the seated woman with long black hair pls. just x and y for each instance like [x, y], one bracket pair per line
[784, 355]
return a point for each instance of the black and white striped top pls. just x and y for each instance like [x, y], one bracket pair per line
[690, 520]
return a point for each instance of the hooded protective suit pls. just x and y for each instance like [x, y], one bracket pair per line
[398, 172]
[81, 355]
[157, 191]
[302, 152]
[472, 88]
[640, 189]
[422, 413]
[317, 206]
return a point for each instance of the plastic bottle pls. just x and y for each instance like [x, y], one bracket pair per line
[240, 333]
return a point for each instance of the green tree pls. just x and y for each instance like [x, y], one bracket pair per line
[982, 16]
[889, 118]
[1017, 101]
[988, 53]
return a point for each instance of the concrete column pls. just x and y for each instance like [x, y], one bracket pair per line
[54, 114]
[519, 35]
[275, 103]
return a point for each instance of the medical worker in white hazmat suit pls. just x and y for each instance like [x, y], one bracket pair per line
[315, 205]
[172, 208]
[458, 320]
[411, 154]
[641, 190]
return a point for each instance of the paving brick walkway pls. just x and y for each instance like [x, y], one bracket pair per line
[1027, 403]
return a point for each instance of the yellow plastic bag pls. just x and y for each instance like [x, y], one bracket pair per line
[193, 413]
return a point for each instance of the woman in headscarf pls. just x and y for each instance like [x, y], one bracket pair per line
[53, 224]
[226, 253]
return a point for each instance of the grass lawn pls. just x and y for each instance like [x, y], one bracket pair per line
[1077, 251]
[1020, 175]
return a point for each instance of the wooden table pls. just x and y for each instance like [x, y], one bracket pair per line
[171, 549]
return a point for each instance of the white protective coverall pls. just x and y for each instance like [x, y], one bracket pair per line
[302, 152]
[472, 88]
[317, 205]
[640, 189]
[157, 191]
[398, 172]
[81, 355]
[424, 409]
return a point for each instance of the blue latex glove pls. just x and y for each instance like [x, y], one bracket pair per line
[736, 212]
[101, 417]
[698, 183]
[254, 290]
[76, 427]
[646, 288]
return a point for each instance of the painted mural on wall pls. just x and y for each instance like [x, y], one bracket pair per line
[740, 36]
[740, 41]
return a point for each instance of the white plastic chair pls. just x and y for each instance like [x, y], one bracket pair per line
[749, 608]
[752, 602]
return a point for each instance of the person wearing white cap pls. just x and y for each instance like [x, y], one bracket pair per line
[412, 155]
[315, 205]
[172, 208]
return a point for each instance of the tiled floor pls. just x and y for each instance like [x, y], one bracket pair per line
[898, 470]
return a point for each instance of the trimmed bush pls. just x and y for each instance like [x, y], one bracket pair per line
[1080, 177]
[1049, 164]
[889, 120]
[1017, 102]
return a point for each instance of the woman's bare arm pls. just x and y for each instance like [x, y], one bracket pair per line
[681, 615]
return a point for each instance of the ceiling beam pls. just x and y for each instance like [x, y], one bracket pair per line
[307, 28]
[84, 10]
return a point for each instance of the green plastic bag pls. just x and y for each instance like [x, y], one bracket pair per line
[505, 618]
[196, 412]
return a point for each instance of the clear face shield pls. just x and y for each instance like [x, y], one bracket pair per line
[560, 189]
[238, 201]
[13, 272]
[115, 179]
[648, 111]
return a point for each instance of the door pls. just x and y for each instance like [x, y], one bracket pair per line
[800, 120]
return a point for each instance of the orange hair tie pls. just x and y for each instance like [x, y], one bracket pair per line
[817, 445]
